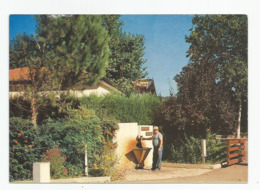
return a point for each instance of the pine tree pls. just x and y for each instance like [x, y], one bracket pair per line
[66, 51]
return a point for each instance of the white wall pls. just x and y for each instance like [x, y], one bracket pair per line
[126, 142]
[99, 91]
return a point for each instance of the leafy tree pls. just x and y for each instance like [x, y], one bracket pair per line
[213, 86]
[127, 50]
[67, 51]
[28, 52]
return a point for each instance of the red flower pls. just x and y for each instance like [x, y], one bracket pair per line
[65, 171]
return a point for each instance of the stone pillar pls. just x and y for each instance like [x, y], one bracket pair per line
[147, 131]
[41, 172]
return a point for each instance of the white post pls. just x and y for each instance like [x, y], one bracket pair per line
[41, 172]
[204, 152]
[86, 162]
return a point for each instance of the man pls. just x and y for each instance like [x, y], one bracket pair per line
[157, 139]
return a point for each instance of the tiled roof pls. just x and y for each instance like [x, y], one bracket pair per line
[19, 74]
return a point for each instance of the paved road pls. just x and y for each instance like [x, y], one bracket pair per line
[231, 174]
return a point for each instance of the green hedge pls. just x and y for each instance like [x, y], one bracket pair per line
[143, 109]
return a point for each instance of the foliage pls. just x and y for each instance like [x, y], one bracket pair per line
[57, 161]
[111, 108]
[28, 52]
[49, 107]
[221, 41]
[216, 149]
[19, 107]
[80, 128]
[143, 109]
[189, 150]
[78, 47]
[67, 52]
[22, 148]
[105, 163]
[213, 85]
[126, 58]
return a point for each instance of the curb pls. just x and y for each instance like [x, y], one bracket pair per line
[103, 179]
[191, 166]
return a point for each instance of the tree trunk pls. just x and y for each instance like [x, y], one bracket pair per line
[239, 119]
[34, 111]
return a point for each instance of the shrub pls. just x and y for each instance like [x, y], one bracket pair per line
[189, 150]
[78, 128]
[216, 149]
[105, 163]
[23, 150]
[81, 127]
[57, 161]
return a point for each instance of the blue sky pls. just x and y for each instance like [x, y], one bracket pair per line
[164, 40]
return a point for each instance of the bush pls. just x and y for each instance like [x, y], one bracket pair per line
[57, 161]
[216, 149]
[189, 150]
[81, 127]
[105, 163]
[23, 151]
[78, 128]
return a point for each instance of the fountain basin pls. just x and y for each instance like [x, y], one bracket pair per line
[141, 154]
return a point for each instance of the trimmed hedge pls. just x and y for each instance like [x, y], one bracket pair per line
[143, 109]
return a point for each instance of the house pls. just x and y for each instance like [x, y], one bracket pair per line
[144, 86]
[21, 76]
